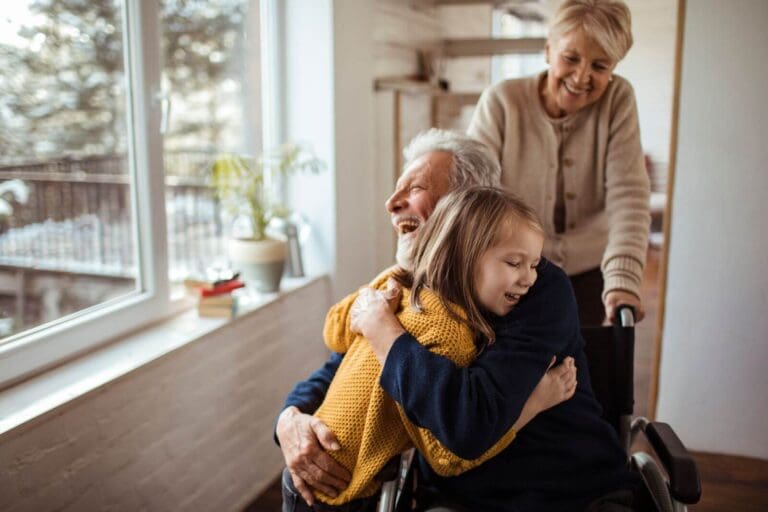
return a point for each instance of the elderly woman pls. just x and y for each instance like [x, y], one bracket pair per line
[568, 142]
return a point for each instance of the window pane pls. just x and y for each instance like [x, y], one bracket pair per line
[520, 24]
[66, 222]
[211, 77]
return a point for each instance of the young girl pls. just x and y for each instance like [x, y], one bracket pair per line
[446, 307]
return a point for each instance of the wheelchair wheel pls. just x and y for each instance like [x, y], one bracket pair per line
[655, 482]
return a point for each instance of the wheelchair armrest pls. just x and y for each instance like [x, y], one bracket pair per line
[684, 482]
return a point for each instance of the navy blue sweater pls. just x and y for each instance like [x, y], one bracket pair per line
[563, 459]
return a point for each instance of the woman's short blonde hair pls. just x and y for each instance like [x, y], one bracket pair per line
[608, 22]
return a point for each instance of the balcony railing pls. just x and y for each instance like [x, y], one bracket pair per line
[78, 217]
[72, 244]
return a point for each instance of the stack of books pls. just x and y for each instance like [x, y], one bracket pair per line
[215, 299]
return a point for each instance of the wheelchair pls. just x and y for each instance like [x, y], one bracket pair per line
[610, 352]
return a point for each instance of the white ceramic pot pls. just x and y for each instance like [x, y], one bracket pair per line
[260, 262]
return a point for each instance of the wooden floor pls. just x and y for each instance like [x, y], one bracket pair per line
[729, 483]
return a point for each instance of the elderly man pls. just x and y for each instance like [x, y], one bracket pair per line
[437, 161]
[469, 409]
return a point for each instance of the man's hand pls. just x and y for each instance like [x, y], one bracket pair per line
[304, 441]
[616, 298]
[372, 315]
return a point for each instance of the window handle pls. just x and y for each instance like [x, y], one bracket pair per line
[164, 99]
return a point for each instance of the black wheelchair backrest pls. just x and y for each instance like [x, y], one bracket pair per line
[610, 354]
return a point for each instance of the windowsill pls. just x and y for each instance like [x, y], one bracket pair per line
[40, 395]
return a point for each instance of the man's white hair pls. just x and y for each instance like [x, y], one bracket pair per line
[473, 162]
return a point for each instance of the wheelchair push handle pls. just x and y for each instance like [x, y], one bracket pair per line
[625, 316]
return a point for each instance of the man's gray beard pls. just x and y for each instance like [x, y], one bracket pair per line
[403, 255]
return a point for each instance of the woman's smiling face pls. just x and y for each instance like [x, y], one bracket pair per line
[579, 73]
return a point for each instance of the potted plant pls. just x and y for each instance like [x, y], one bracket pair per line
[240, 183]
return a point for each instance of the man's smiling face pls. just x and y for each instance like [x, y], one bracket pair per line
[416, 194]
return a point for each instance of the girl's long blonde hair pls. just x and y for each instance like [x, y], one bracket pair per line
[448, 248]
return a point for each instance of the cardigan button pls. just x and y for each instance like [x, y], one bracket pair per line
[570, 195]
[571, 225]
[568, 162]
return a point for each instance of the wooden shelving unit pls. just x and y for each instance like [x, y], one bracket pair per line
[488, 47]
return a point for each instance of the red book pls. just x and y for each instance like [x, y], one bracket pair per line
[225, 287]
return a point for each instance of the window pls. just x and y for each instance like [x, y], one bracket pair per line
[211, 83]
[102, 96]
[518, 21]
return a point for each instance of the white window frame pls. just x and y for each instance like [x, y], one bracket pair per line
[271, 16]
[38, 349]
[33, 351]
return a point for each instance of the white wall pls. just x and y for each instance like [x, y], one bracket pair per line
[306, 82]
[329, 103]
[713, 378]
[353, 129]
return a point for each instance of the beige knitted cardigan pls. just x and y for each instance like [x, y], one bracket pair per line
[605, 189]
